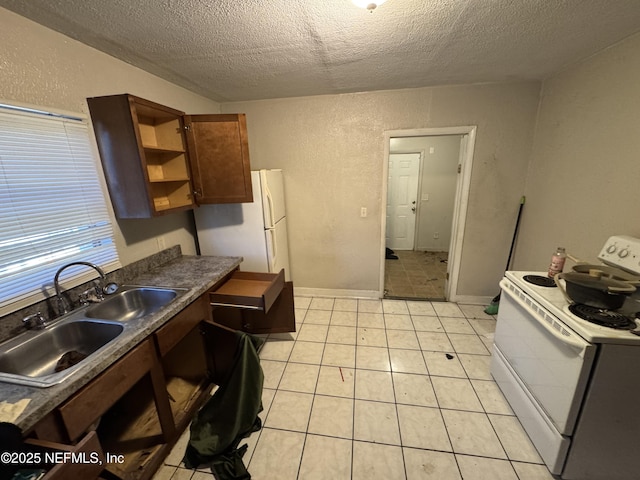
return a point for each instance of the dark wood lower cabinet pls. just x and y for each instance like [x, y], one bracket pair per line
[134, 412]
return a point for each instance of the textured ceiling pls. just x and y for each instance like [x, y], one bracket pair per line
[231, 50]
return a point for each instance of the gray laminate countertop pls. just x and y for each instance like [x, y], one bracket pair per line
[194, 274]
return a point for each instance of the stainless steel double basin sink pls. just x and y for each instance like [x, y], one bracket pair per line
[48, 356]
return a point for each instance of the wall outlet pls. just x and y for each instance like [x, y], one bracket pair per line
[363, 212]
[436, 235]
[162, 244]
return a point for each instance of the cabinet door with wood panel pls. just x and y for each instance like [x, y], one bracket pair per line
[155, 163]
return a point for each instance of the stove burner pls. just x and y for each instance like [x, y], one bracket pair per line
[540, 281]
[605, 318]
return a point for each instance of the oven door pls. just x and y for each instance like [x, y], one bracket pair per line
[551, 360]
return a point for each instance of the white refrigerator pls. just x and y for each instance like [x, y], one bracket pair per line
[255, 231]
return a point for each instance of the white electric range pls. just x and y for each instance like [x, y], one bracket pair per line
[574, 385]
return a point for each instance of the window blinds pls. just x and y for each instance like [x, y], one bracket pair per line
[52, 208]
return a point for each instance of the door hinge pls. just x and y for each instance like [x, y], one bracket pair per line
[447, 275]
[459, 168]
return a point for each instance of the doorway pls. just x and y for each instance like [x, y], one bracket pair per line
[427, 178]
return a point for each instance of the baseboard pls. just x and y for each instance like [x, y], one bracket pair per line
[472, 300]
[334, 292]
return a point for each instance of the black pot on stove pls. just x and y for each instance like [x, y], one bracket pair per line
[594, 290]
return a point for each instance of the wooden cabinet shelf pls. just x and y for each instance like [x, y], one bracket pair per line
[202, 158]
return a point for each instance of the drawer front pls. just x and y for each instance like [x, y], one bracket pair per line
[171, 333]
[86, 406]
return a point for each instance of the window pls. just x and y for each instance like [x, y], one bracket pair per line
[52, 207]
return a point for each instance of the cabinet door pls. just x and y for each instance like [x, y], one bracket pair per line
[219, 156]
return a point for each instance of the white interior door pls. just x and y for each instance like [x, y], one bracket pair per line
[402, 195]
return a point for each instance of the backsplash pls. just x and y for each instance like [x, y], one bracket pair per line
[11, 325]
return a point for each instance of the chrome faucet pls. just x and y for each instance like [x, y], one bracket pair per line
[62, 304]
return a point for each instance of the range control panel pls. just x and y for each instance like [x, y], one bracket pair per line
[622, 251]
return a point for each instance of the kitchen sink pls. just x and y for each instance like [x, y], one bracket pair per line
[132, 302]
[48, 356]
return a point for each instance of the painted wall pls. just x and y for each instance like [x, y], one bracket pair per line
[585, 171]
[41, 67]
[436, 196]
[332, 151]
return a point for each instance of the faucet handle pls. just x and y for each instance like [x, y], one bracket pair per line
[35, 321]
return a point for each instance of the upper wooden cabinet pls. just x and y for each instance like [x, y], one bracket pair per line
[158, 160]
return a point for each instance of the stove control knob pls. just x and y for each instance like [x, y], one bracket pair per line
[611, 249]
[623, 253]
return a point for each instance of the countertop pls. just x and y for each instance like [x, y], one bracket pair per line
[195, 274]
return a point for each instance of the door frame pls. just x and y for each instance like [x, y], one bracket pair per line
[463, 183]
[419, 189]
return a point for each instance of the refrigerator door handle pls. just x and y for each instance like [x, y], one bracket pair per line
[273, 248]
[272, 220]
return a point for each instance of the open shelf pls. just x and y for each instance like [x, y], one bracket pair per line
[169, 194]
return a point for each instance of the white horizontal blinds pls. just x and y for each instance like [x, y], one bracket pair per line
[52, 209]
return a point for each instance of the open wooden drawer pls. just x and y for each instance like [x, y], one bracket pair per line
[254, 303]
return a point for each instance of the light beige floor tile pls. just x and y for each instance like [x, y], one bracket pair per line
[444, 364]
[476, 366]
[312, 333]
[371, 306]
[272, 371]
[251, 441]
[434, 341]
[372, 461]
[301, 302]
[370, 320]
[420, 308]
[376, 422]
[475, 311]
[307, 352]
[277, 455]
[300, 377]
[423, 323]
[372, 358]
[483, 326]
[285, 336]
[341, 334]
[394, 321]
[468, 344]
[276, 350]
[319, 303]
[339, 355]
[412, 389]
[455, 325]
[446, 309]
[374, 385]
[395, 306]
[290, 411]
[430, 465]
[336, 381]
[346, 319]
[514, 439]
[318, 317]
[267, 399]
[326, 458]
[299, 315]
[182, 474]
[456, 394]
[471, 433]
[165, 472]
[477, 468]
[528, 471]
[207, 475]
[407, 361]
[332, 416]
[491, 397]
[371, 337]
[402, 339]
[423, 427]
[345, 305]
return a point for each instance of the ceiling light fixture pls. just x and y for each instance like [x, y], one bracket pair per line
[368, 4]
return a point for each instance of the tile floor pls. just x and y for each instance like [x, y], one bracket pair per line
[416, 275]
[382, 389]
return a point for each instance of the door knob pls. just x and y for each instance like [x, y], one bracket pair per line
[413, 209]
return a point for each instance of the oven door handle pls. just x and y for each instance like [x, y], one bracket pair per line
[542, 321]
